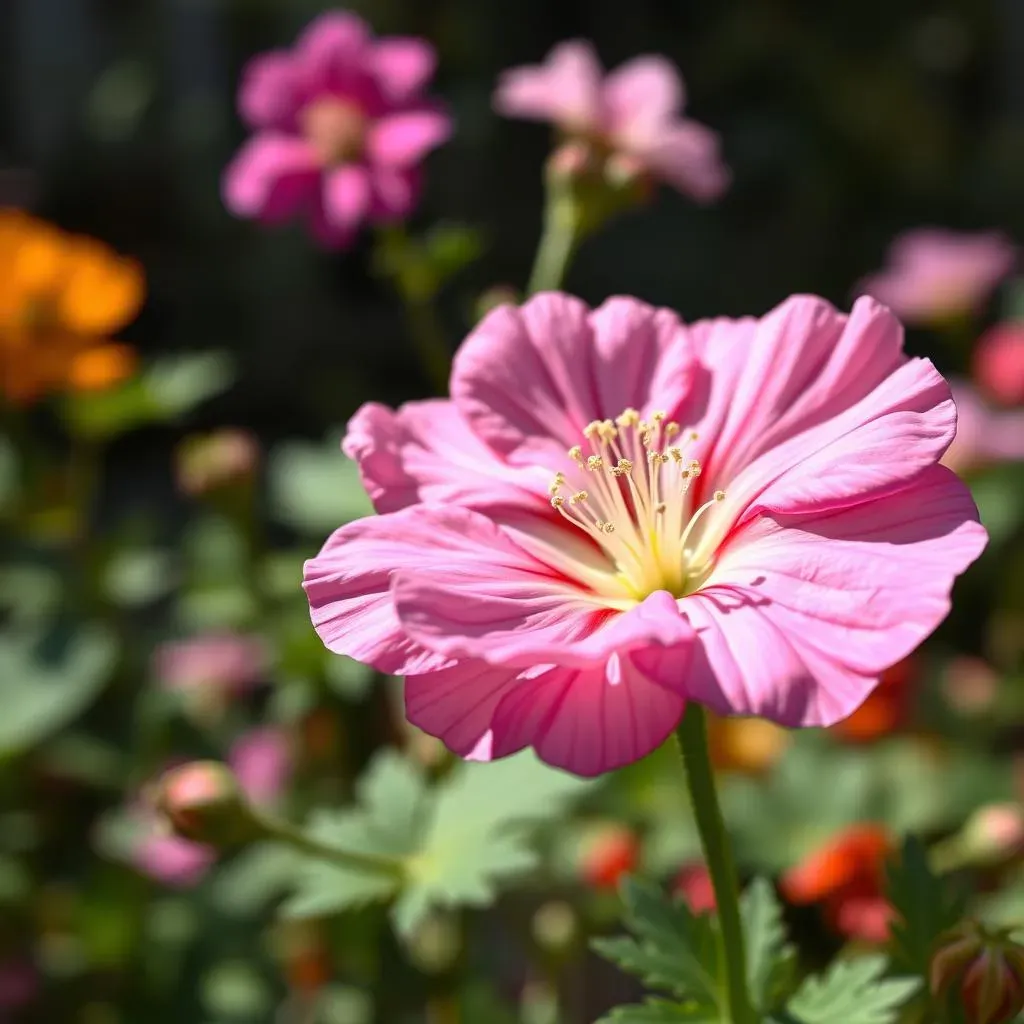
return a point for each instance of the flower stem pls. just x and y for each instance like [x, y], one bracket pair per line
[693, 740]
[557, 243]
[283, 832]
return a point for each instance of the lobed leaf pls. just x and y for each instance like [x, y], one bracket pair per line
[853, 992]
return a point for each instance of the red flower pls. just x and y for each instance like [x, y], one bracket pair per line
[608, 856]
[693, 884]
[847, 875]
[887, 708]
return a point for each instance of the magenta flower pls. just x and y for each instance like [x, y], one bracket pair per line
[633, 113]
[935, 275]
[224, 663]
[341, 129]
[617, 513]
[984, 436]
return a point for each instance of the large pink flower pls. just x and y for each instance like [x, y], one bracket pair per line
[635, 111]
[934, 275]
[616, 513]
[341, 129]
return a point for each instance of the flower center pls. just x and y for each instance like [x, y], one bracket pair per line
[336, 129]
[629, 492]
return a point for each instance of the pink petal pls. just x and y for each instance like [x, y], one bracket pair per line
[173, 861]
[801, 614]
[400, 140]
[262, 761]
[565, 89]
[687, 156]
[394, 190]
[270, 92]
[404, 66]
[511, 613]
[529, 379]
[346, 197]
[640, 97]
[587, 721]
[793, 369]
[426, 451]
[332, 51]
[272, 177]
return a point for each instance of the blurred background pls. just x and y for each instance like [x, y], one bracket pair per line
[149, 591]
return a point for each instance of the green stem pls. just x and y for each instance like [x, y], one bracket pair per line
[429, 341]
[283, 832]
[700, 779]
[557, 243]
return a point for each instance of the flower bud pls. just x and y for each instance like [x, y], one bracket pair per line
[211, 461]
[612, 852]
[203, 802]
[995, 831]
[570, 161]
[981, 972]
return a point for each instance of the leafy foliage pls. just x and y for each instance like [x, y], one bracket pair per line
[851, 991]
[456, 841]
[770, 958]
[925, 907]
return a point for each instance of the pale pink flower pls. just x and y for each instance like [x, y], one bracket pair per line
[935, 275]
[635, 113]
[342, 127]
[999, 362]
[170, 859]
[227, 663]
[984, 436]
[616, 513]
[262, 762]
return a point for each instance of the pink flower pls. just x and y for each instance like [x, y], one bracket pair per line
[227, 663]
[341, 129]
[262, 762]
[19, 984]
[633, 113]
[999, 362]
[169, 859]
[984, 436]
[616, 513]
[935, 275]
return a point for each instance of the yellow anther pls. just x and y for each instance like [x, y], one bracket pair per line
[592, 429]
[628, 418]
[557, 502]
[660, 507]
[719, 495]
[608, 528]
[658, 416]
[676, 453]
[594, 463]
[578, 497]
[671, 428]
[576, 453]
[622, 468]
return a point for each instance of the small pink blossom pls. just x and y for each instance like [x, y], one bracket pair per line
[227, 663]
[935, 275]
[262, 762]
[634, 113]
[342, 127]
[984, 436]
[168, 858]
[999, 362]
[617, 513]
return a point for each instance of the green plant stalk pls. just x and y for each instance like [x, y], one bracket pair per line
[283, 832]
[557, 244]
[693, 741]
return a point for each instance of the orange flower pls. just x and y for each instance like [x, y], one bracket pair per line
[749, 745]
[610, 854]
[61, 298]
[886, 709]
[847, 874]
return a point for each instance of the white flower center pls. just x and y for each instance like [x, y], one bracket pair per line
[630, 493]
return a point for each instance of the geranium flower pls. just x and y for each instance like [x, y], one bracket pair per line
[342, 127]
[984, 436]
[61, 298]
[693, 884]
[935, 275]
[634, 113]
[847, 874]
[999, 362]
[617, 513]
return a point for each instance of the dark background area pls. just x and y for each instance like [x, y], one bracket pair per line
[843, 123]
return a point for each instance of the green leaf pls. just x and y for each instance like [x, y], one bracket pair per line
[137, 577]
[924, 906]
[770, 960]
[477, 833]
[659, 1011]
[48, 682]
[999, 495]
[9, 474]
[255, 877]
[853, 992]
[677, 951]
[163, 392]
[348, 678]
[314, 488]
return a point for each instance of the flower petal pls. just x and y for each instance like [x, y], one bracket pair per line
[587, 721]
[529, 379]
[640, 96]
[272, 177]
[400, 140]
[404, 65]
[426, 452]
[333, 51]
[565, 89]
[802, 614]
[394, 190]
[687, 156]
[270, 92]
[346, 197]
